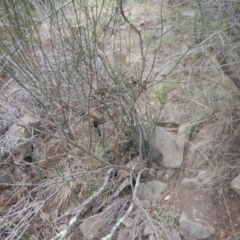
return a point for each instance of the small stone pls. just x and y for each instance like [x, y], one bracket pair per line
[147, 230]
[194, 230]
[169, 174]
[193, 183]
[157, 157]
[152, 173]
[235, 184]
[4, 181]
[160, 173]
[151, 191]
[167, 197]
[190, 183]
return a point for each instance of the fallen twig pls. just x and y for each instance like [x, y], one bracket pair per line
[121, 220]
[73, 221]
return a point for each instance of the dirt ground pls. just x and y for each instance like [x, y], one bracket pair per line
[204, 95]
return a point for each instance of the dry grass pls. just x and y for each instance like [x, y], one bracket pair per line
[78, 57]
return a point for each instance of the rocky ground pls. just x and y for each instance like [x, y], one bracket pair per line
[192, 112]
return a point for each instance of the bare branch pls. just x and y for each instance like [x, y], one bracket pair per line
[91, 154]
[63, 234]
[121, 220]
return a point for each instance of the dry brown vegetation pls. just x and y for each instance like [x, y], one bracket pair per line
[71, 76]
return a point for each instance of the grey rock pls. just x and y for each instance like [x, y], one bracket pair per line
[190, 183]
[193, 183]
[147, 230]
[157, 157]
[4, 181]
[172, 146]
[168, 174]
[160, 173]
[151, 191]
[152, 174]
[235, 184]
[194, 230]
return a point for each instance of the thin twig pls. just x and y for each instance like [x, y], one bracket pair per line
[121, 220]
[63, 234]
[137, 31]
[16, 45]
[91, 154]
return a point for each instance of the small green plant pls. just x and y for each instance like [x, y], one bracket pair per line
[164, 95]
